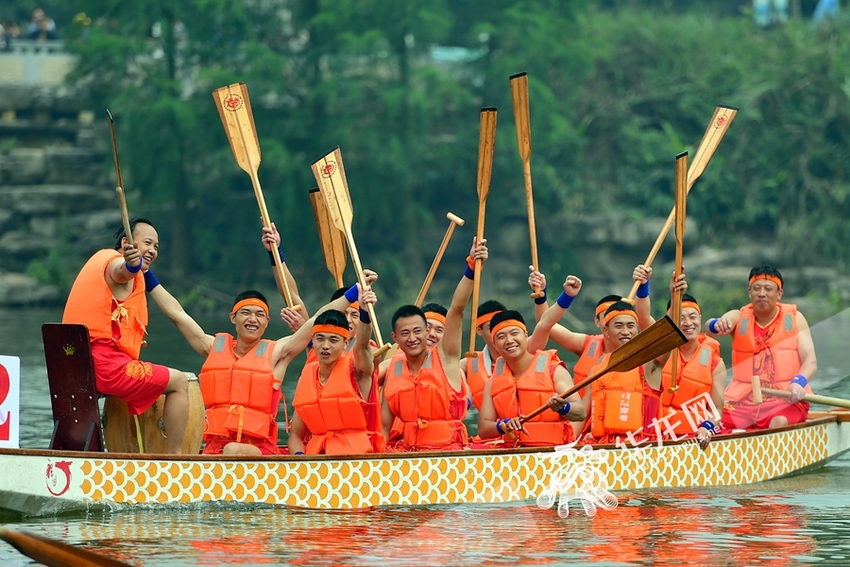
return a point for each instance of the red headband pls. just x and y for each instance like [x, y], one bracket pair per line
[692, 305]
[251, 301]
[485, 318]
[603, 307]
[619, 312]
[507, 323]
[330, 328]
[773, 279]
[434, 316]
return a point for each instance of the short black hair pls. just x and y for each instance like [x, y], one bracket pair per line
[620, 306]
[408, 311]
[120, 234]
[435, 308]
[509, 314]
[252, 293]
[331, 317]
[490, 306]
[608, 298]
[339, 293]
[766, 270]
[685, 297]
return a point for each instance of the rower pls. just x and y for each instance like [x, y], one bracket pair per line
[108, 297]
[770, 340]
[424, 386]
[480, 368]
[336, 399]
[527, 377]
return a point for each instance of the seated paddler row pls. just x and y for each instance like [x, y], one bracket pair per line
[348, 402]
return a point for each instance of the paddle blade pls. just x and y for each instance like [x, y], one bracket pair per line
[332, 240]
[56, 553]
[486, 145]
[522, 117]
[326, 171]
[234, 108]
[661, 338]
[717, 128]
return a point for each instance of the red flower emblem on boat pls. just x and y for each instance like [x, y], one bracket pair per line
[328, 170]
[721, 120]
[56, 484]
[233, 102]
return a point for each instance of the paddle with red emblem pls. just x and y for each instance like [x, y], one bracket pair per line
[56, 553]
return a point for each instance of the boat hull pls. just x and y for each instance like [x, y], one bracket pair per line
[37, 482]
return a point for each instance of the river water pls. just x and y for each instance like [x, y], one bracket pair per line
[795, 521]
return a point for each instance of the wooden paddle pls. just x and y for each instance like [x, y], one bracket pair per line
[811, 398]
[330, 175]
[119, 188]
[522, 118]
[681, 210]
[659, 339]
[486, 144]
[234, 108]
[454, 221]
[332, 240]
[720, 122]
[55, 553]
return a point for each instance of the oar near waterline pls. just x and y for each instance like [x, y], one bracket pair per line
[234, 108]
[55, 553]
[660, 338]
[486, 145]
[720, 122]
[522, 118]
[330, 175]
[811, 398]
[454, 221]
[681, 211]
[330, 237]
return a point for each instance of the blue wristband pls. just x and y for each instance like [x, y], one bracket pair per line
[565, 300]
[542, 299]
[280, 252]
[468, 403]
[151, 281]
[800, 380]
[469, 273]
[298, 453]
[708, 425]
[133, 269]
[499, 425]
[352, 294]
[712, 327]
[364, 316]
[565, 410]
[643, 290]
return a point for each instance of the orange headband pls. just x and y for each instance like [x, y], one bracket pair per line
[773, 279]
[619, 312]
[434, 316]
[355, 305]
[251, 301]
[329, 328]
[603, 307]
[507, 323]
[692, 305]
[485, 318]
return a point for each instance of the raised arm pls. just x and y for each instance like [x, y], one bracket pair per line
[570, 340]
[540, 336]
[188, 327]
[453, 334]
[364, 363]
[643, 305]
[123, 270]
[271, 237]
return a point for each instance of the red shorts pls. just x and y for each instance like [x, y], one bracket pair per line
[116, 374]
[216, 446]
[758, 416]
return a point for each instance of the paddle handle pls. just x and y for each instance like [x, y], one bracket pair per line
[532, 225]
[811, 398]
[358, 268]
[476, 282]
[125, 215]
[454, 221]
[283, 285]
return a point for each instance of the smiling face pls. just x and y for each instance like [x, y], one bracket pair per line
[251, 322]
[620, 330]
[764, 295]
[329, 347]
[146, 240]
[511, 342]
[435, 332]
[411, 335]
[690, 323]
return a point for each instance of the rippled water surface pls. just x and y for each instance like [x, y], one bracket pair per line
[796, 521]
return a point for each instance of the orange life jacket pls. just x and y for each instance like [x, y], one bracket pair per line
[335, 413]
[423, 402]
[782, 346]
[594, 347]
[92, 304]
[239, 392]
[694, 379]
[617, 401]
[477, 375]
[515, 396]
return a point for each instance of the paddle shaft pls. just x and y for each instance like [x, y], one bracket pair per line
[358, 268]
[125, 215]
[532, 227]
[454, 221]
[476, 283]
[282, 284]
[811, 398]
[55, 553]
[119, 180]
[681, 211]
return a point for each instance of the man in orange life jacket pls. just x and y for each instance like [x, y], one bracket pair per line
[479, 369]
[770, 340]
[424, 387]
[628, 403]
[108, 297]
[241, 412]
[336, 400]
[527, 377]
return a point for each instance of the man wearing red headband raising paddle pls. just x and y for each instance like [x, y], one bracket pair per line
[770, 340]
[424, 387]
[108, 297]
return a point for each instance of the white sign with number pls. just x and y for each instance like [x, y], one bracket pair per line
[10, 402]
